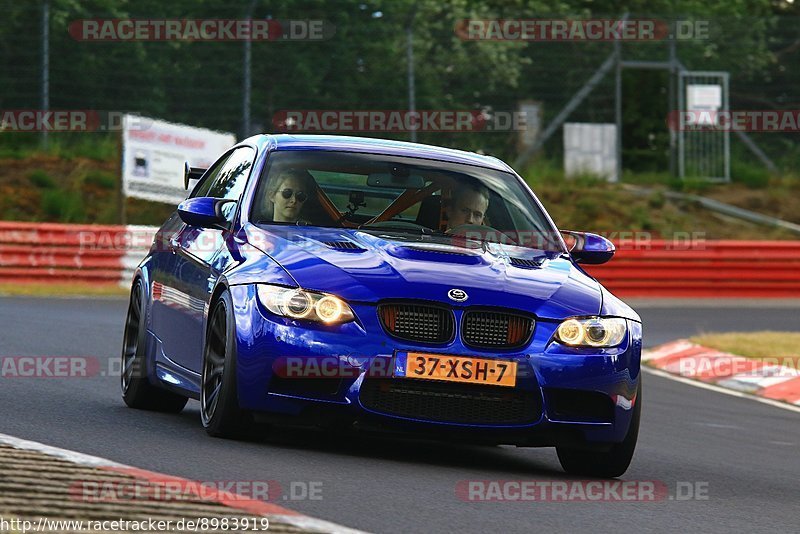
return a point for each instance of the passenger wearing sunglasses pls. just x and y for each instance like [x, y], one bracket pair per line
[288, 193]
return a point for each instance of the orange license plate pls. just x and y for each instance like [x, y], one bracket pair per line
[455, 369]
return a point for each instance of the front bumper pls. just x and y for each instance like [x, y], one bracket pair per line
[571, 396]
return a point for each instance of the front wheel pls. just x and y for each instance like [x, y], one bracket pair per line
[219, 402]
[606, 464]
[137, 391]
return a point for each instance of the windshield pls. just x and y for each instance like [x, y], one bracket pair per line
[400, 195]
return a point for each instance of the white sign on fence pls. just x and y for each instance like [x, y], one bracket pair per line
[531, 110]
[704, 97]
[590, 148]
[154, 152]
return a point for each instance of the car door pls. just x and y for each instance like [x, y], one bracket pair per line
[166, 323]
[200, 257]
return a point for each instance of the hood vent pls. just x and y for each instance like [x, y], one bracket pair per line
[441, 250]
[438, 253]
[526, 263]
[346, 246]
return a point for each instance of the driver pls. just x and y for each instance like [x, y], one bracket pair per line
[288, 192]
[468, 205]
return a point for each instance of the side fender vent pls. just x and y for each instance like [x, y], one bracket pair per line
[526, 263]
[345, 246]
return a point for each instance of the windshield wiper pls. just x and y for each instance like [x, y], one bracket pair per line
[399, 227]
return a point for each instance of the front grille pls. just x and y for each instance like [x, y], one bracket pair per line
[417, 322]
[453, 403]
[490, 329]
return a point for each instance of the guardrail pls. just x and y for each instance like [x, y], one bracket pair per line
[704, 269]
[67, 253]
[64, 253]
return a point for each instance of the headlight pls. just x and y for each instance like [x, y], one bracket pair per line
[592, 332]
[301, 304]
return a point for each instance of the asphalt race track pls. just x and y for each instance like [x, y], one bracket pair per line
[741, 453]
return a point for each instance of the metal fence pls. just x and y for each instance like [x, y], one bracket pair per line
[364, 64]
[706, 152]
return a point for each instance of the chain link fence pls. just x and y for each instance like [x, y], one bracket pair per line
[362, 63]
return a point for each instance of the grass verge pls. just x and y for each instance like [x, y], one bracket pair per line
[782, 346]
[62, 290]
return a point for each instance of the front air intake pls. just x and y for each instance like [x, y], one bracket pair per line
[495, 330]
[417, 322]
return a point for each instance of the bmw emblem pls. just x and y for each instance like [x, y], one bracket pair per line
[458, 295]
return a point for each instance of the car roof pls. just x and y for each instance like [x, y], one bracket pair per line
[375, 146]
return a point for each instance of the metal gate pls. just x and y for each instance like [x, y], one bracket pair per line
[704, 148]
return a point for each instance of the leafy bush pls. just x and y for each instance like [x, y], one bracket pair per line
[692, 185]
[656, 200]
[544, 171]
[41, 179]
[588, 209]
[100, 179]
[99, 146]
[642, 218]
[646, 178]
[94, 145]
[752, 176]
[63, 206]
[588, 180]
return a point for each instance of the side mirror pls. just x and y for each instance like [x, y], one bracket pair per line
[205, 212]
[589, 248]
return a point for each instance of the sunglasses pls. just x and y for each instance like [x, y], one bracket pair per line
[298, 195]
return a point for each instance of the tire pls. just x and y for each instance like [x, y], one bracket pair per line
[137, 391]
[219, 401]
[605, 464]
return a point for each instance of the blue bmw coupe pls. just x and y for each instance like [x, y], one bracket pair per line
[383, 286]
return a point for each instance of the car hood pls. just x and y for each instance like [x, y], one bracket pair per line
[372, 266]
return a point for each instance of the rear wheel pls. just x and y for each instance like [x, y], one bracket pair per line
[605, 464]
[219, 402]
[137, 391]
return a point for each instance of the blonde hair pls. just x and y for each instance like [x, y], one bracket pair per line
[278, 178]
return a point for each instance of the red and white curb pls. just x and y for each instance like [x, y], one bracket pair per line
[745, 375]
[273, 512]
